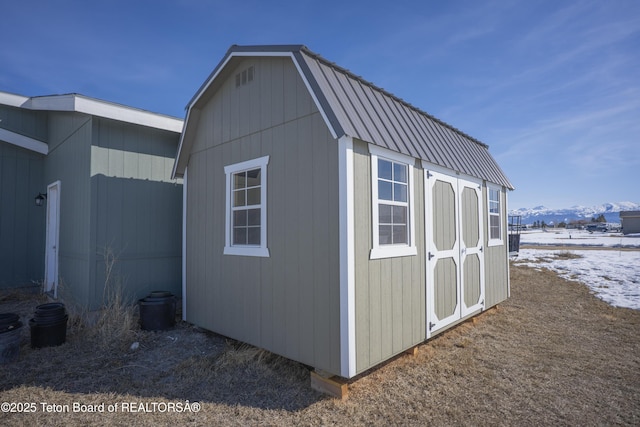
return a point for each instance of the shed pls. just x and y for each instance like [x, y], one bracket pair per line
[101, 173]
[630, 222]
[327, 220]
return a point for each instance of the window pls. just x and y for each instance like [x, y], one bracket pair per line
[495, 217]
[246, 208]
[392, 204]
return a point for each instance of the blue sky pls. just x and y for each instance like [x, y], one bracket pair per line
[553, 87]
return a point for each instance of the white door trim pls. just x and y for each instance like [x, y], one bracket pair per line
[52, 238]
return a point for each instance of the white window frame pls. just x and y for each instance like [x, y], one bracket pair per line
[493, 241]
[261, 250]
[390, 251]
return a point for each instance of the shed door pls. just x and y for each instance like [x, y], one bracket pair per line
[455, 261]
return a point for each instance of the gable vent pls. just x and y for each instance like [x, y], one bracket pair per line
[245, 76]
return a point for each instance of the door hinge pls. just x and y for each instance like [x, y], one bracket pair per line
[431, 325]
[429, 175]
[430, 256]
[480, 249]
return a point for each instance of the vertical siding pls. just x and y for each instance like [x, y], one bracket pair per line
[495, 258]
[390, 292]
[68, 161]
[136, 209]
[24, 122]
[287, 303]
[21, 221]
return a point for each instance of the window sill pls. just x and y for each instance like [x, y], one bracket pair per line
[392, 252]
[250, 251]
[495, 243]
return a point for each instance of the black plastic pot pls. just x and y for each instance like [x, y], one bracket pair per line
[10, 332]
[157, 311]
[49, 325]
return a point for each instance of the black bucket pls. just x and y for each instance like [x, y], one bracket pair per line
[10, 332]
[49, 325]
[157, 311]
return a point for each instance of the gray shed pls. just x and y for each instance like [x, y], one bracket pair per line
[101, 173]
[630, 222]
[327, 220]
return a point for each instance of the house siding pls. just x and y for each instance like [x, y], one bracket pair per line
[289, 302]
[21, 221]
[68, 161]
[389, 292]
[136, 210]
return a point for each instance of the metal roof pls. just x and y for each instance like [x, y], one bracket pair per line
[357, 108]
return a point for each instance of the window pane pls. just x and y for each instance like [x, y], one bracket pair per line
[239, 198]
[400, 192]
[240, 218]
[253, 178]
[254, 217]
[399, 172]
[253, 196]
[240, 236]
[239, 180]
[384, 235]
[385, 190]
[384, 169]
[399, 234]
[384, 214]
[253, 237]
[400, 215]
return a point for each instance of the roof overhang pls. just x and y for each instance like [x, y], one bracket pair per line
[96, 107]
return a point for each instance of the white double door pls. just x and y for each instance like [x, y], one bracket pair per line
[455, 253]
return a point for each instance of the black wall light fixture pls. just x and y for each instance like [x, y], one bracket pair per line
[40, 198]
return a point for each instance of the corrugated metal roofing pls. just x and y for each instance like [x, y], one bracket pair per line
[357, 108]
[366, 112]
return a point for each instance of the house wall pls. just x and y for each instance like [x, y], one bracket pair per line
[289, 302]
[21, 221]
[68, 161]
[496, 257]
[389, 292]
[136, 210]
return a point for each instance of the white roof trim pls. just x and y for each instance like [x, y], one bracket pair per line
[95, 107]
[24, 141]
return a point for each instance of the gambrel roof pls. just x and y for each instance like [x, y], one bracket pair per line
[354, 107]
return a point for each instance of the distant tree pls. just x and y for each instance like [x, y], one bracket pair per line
[600, 218]
[562, 224]
[543, 225]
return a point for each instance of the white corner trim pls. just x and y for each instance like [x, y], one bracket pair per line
[12, 100]
[184, 245]
[347, 259]
[24, 141]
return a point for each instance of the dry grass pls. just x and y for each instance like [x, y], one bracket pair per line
[551, 355]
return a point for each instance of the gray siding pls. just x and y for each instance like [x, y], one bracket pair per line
[496, 270]
[390, 292]
[21, 221]
[24, 122]
[287, 303]
[68, 161]
[136, 209]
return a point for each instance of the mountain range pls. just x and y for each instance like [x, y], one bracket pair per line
[611, 212]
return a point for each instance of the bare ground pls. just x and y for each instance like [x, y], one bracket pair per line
[552, 354]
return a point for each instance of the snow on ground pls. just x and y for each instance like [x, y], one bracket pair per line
[612, 274]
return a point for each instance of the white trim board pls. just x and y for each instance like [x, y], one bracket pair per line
[24, 141]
